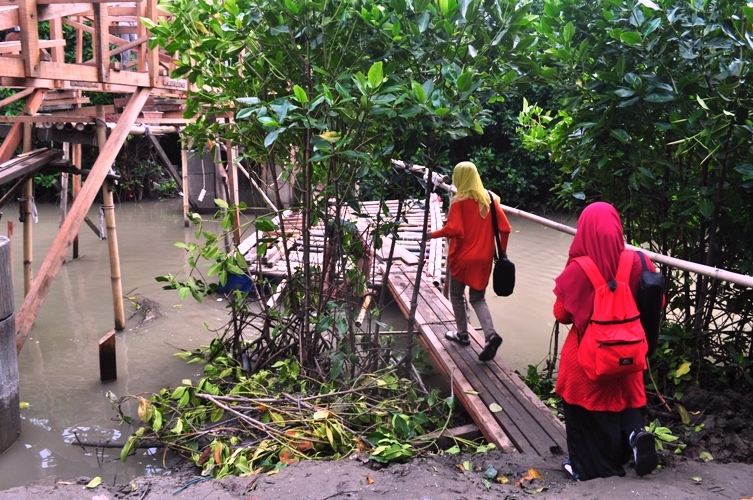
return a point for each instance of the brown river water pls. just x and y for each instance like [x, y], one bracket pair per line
[58, 365]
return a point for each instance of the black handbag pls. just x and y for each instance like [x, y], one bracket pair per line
[503, 272]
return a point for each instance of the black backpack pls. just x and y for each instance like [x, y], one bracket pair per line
[650, 302]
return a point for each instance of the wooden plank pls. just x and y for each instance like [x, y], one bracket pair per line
[525, 419]
[13, 98]
[478, 411]
[501, 375]
[9, 47]
[465, 359]
[8, 17]
[59, 11]
[100, 42]
[16, 168]
[56, 255]
[13, 139]
[108, 368]
[27, 21]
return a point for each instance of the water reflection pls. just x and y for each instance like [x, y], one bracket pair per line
[58, 366]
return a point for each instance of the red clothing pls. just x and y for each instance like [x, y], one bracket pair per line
[577, 389]
[472, 242]
[600, 237]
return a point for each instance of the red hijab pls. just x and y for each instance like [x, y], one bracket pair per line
[600, 237]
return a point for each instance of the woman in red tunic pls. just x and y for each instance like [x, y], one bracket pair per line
[604, 424]
[469, 228]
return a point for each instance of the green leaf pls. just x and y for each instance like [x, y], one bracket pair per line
[418, 92]
[272, 137]
[631, 37]
[620, 135]
[300, 94]
[702, 102]
[568, 32]
[221, 203]
[748, 11]
[264, 224]
[465, 81]
[376, 76]
[495, 408]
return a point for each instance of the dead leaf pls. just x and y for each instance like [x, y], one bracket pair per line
[369, 480]
[502, 479]
[470, 391]
[204, 456]
[460, 466]
[286, 458]
[532, 474]
[94, 482]
[273, 472]
[684, 415]
[218, 455]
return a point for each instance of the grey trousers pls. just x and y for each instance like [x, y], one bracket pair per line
[477, 300]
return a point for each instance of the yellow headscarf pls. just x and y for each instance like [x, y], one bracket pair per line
[468, 184]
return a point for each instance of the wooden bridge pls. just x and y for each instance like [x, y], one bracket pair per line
[505, 410]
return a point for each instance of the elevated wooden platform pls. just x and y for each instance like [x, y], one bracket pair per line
[523, 423]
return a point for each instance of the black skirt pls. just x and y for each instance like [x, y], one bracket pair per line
[598, 441]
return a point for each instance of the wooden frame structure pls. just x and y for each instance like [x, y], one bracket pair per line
[54, 86]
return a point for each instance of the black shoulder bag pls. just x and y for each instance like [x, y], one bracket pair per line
[649, 302]
[503, 272]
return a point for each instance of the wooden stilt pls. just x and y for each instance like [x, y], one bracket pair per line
[10, 414]
[64, 186]
[108, 368]
[108, 206]
[76, 187]
[26, 207]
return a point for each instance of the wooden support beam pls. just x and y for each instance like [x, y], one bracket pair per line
[27, 21]
[11, 47]
[18, 95]
[108, 368]
[165, 160]
[28, 221]
[13, 139]
[8, 17]
[152, 55]
[57, 50]
[51, 265]
[101, 43]
[18, 167]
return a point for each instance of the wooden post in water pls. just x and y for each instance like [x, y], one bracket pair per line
[108, 206]
[26, 207]
[108, 368]
[10, 413]
[184, 171]
[76, 187]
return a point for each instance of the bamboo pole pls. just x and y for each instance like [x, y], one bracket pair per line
[184, 171]
[712, 272]
[28, 193]
[108, 206]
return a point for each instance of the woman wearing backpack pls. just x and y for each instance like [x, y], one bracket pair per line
[605, 427]
[469, 228]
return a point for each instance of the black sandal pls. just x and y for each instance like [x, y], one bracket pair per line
[490, 349]
[453, 336]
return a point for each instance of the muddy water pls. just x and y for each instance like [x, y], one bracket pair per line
[58, 365]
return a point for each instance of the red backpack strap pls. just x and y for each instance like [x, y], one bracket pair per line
[587, 264]
[625, 266]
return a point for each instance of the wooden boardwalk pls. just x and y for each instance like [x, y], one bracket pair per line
[524, 423]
